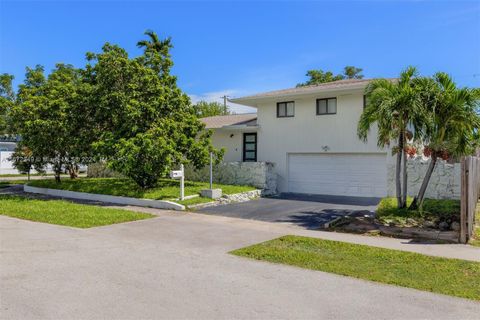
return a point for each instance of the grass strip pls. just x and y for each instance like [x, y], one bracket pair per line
[65, 213]
[166, 189]
[453, 277]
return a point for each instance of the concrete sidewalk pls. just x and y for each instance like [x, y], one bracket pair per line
[455, 251]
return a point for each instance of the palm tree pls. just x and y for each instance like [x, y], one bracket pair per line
[157, 52]
[155, 44]
[453, 123]
[395, 106]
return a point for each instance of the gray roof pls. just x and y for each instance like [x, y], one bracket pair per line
[348, 84]
[215, 122]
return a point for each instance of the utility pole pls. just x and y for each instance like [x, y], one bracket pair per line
[225, 97]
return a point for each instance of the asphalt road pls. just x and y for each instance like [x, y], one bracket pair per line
[177, 266]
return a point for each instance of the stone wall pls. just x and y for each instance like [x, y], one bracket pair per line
[256, 174]
[444, 183]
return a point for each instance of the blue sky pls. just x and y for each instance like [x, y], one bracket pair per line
[239, 48]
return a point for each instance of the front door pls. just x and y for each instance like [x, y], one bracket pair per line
[250, 147]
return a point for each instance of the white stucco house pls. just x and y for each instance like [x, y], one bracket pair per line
[310, 134]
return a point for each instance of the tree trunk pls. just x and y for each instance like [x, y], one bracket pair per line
[417, 202]
[405, 175]
[73, 171]
[398, 185]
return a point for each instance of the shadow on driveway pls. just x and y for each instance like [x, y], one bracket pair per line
[307, 211]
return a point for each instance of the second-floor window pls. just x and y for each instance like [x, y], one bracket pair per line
[285, 109]
[327, 106]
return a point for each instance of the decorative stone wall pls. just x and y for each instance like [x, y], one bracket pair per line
[256, 174]
[444, 183]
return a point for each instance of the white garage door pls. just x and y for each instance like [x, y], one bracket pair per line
[338, 174]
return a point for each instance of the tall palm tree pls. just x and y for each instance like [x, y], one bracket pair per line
[155, 44]
[157, 53]
[395, 106]
[453, 123]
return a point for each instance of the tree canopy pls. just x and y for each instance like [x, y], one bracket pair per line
[209, 109]
[319, 76]
[128, 112]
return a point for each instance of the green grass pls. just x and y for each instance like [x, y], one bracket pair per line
[441, 210]
[476, 237]
[440, 275]
[166, 189]
[65, 213]
[4, 184]
[22, 175]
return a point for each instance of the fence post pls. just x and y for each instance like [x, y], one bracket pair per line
[463, 201]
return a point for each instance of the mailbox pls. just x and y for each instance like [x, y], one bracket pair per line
[176, 174]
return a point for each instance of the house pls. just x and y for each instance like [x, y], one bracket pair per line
[310, 134]
[6, 150]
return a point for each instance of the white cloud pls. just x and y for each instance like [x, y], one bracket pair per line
[217, 96]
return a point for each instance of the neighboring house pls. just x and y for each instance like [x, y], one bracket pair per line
[310, 134]
[6, 150]
[236, 133]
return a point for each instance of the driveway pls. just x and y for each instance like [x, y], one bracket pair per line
[308, 211]
[177, 266]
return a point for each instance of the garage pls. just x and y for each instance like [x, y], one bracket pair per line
[363, 175]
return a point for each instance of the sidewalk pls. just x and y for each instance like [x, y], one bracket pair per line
[455, 251]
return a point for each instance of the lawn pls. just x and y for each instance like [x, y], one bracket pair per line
[476, 237]
[433, 210]
[440, 275]
[4, 184]
[166, 189]
[65, 213]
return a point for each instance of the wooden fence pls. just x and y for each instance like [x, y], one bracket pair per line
[470, 180]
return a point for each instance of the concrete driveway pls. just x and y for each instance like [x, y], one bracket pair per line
[308, 211]
[177, 266]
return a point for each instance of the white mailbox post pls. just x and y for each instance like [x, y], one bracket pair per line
[179, 174]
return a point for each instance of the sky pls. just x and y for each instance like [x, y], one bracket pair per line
[239, 48]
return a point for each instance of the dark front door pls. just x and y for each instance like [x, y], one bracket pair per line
[250, 147]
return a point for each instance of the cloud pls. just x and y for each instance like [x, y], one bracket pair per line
[217, 96]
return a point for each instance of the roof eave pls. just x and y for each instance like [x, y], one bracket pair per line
[254, 100]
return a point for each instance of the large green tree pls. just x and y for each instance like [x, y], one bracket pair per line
[49, 115]
[209, 109]
[453, 123]
[394, 107]
[319, 76]
[145, 124]
[7, 100]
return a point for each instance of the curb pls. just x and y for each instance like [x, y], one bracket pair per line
[158, 204]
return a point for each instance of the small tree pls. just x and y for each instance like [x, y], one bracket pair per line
[209, 109]
[453, 124]
[24, 161]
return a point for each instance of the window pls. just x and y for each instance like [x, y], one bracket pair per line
[285, 109]
[249, 147]
[326, 106]
[365, 102]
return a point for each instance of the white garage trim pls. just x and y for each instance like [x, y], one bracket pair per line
[347, 174]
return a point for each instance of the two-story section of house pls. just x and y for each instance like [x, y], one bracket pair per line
[310, 134]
